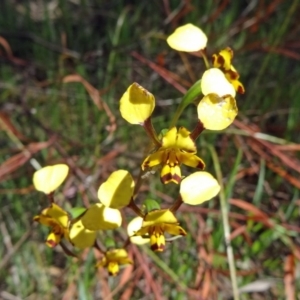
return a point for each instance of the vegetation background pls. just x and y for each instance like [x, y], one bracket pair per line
[53, 118]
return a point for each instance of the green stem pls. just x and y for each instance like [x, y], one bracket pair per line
[225, 218]
[193, 92]
[177, 114]
[206, 62]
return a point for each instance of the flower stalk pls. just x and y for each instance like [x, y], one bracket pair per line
[150, 130]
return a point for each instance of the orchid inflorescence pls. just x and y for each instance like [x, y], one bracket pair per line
[171, 148]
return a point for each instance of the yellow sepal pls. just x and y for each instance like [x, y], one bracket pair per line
[198, 188]
[134, 226]
[189, 38]
[137, 104]
[214, 82]
[49, 178]
[217, 113]
[117, 190]
[159, 216]
[99, 217]
[81, 237]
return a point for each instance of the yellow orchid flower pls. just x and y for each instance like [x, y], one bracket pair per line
[49, 178]
[223, 62]
[115, 193]
[58, 220]
[214, 82]
[61, 227]
[155, 224]
[113, 259]
[137, 104]
[198, 188]
[133, 226]
[189, 38]
[117, 190]
[177, 148]
[217, 113]
[100, 217]
[81, 237]
[218, 109]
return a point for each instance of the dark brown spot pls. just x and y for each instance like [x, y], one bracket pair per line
[158, 248]
[221, 60]
[201, 165]
[168, 177]
[145, 164]
[182, 232]
[232, 74]
[240, 90]
[51, 243]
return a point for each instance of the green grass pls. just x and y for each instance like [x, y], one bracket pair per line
[100, 36]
